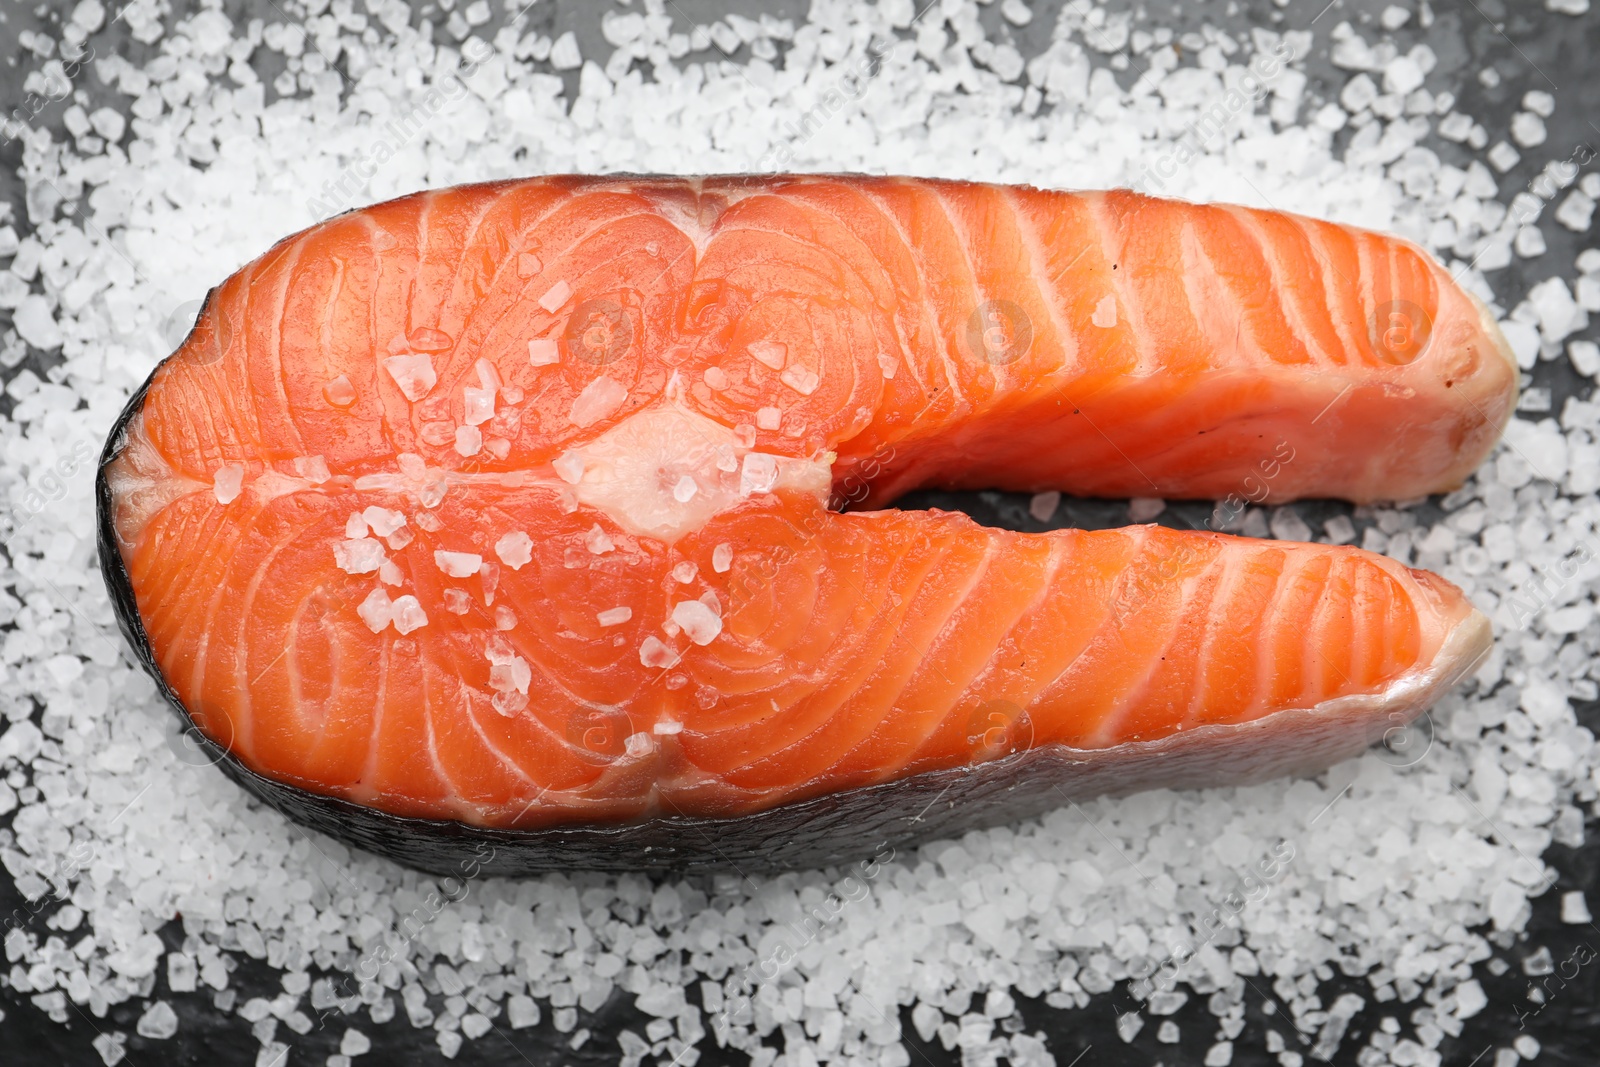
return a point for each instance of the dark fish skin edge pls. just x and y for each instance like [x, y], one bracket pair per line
[832, 830]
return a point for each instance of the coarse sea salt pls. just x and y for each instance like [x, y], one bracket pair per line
[1408, 877]
[358, 555]
[413, 373]
[699, 623]
[515, 549]
[408, 614]
[377, 611]
[457, 564]
[556, 296]
[598, 400]
[228, 482]
[768, 353]
[543, 351]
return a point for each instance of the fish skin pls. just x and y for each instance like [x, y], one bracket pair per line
[249, 622]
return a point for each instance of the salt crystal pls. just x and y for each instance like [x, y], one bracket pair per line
[408, 614]
[555, 297]
[1524, 342]
[685, 572]
[543, 351]
[767, 419]
[1402, 75]
[716, 378]
[469, 440]
[384, 521]
[159, 1022]
[800, 379]
[1527, 1046]
[478, 405]
[768, 353]
[1585, 357]
[390, 574]
[1144, 508]
[354, 1043]
[522, 1012]
[1506, 903]
[1527, 129]
[700, 624]
[1575, 909]
[228, 482]
[654, 653]
[1166, 1002]
[339, 392]
[358, 555]
[413, 373]
[504, 618]
[569, 465]
[614, 616]
[1043, 506]
[758, 473]
[1129, 1024]
[1503, 157]
[1219, 1055]
[1470, 999]
[1287, 525]
[36, 324]
[564, 54]
[458, 564]
[598, 541]
[515, 549]
[512, 675]
[457, 602]
[376, 611]
[111, 1048]
[1358, 94]
[722, 558]
[1394, 17]
[598, 400]
[182, 974]
[1576, 212]
[887, 364]
[1559, 315]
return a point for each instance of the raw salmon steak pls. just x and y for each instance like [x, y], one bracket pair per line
[512, 512]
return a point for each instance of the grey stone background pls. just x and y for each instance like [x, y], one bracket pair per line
[1527, 46]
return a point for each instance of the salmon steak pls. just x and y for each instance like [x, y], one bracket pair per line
[549, 514]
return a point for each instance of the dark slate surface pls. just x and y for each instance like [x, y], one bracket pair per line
[1530, 48]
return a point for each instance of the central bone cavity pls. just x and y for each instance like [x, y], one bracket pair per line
[666, 471]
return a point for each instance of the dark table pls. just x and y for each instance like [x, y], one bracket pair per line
[1529, 47]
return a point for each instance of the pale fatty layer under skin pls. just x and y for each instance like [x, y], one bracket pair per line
[636, 499]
